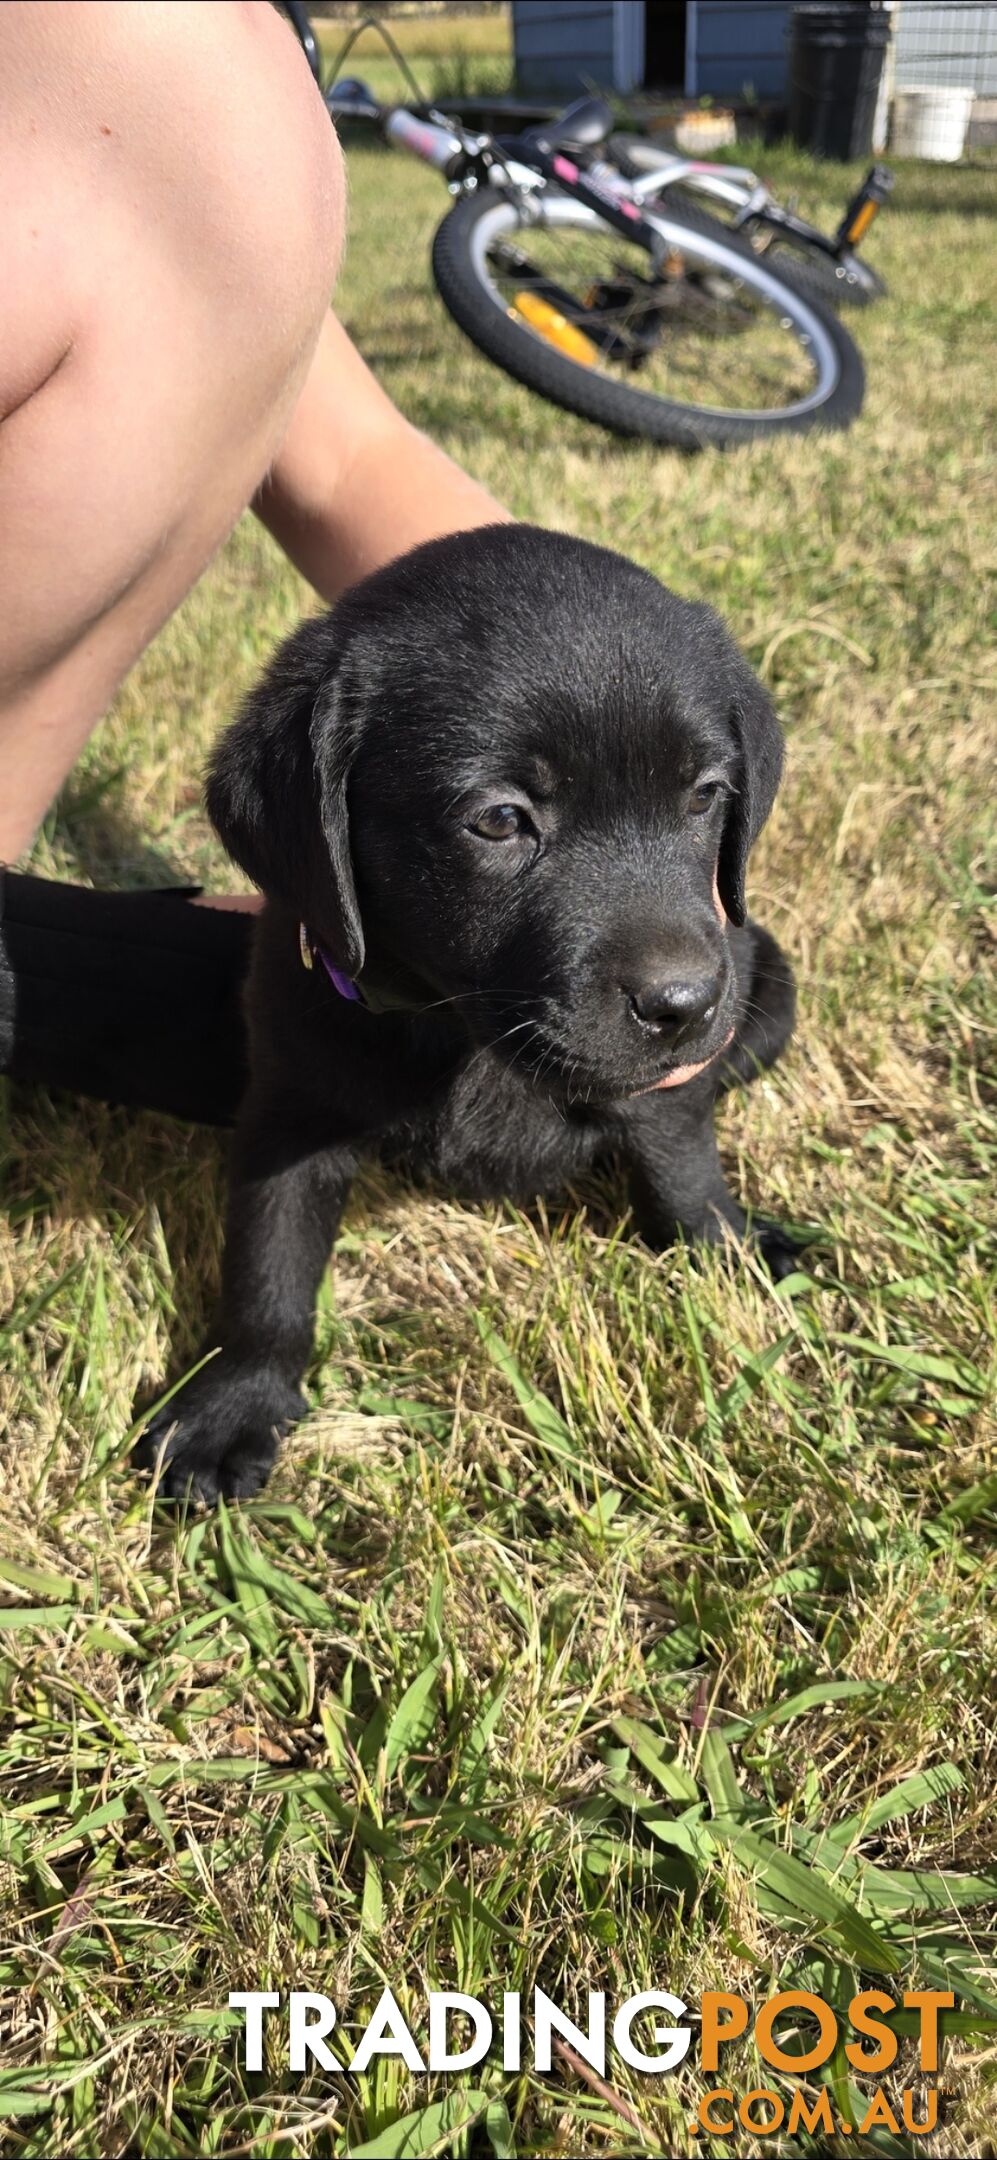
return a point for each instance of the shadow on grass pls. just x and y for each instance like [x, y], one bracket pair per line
[927, 203]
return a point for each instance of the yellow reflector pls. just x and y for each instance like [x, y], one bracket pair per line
[555, 327]
[861, 223]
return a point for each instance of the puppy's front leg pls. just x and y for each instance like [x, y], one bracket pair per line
[221, 1432]
[677, 1183]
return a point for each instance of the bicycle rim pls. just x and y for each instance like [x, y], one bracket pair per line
[735, 323]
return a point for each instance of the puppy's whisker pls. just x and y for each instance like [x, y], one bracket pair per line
[484, 1048]
[537, 1075]
[751, 1010]
[768, 975]
[466, 997]
[497, 996]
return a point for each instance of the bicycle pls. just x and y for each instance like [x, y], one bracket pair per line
[654, 321]
[829, 265]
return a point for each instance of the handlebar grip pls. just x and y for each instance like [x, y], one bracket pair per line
[424, 138]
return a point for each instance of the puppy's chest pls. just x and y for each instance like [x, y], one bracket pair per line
[493, 1137]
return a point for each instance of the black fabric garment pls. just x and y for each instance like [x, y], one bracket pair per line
[132, 997]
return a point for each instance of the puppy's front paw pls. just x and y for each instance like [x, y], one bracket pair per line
[778, 1248]
[773, 1243]
[220, 1434]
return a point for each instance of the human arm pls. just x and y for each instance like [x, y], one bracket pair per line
[354, 483]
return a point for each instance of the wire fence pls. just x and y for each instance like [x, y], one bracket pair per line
[939, 88]
[947, 44]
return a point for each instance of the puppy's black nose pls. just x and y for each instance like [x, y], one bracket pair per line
[674, 1006]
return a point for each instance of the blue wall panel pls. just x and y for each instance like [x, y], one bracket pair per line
[741, 43]
[558, 48]
[737, 44]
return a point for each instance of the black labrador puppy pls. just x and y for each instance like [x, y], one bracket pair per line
[500, 802]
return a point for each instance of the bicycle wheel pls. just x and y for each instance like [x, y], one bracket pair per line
[701, 345]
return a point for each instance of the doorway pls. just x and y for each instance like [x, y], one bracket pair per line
[664, 45]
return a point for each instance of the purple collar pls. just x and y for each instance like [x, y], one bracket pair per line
[345, 985]
[385, 998]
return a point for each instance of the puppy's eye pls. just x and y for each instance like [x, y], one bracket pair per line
[703, 796]
[501, 821]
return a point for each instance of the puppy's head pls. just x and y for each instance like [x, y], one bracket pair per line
[514, 773]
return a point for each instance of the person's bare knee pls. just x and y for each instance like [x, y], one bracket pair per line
[176, 232]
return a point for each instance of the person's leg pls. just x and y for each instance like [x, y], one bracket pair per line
[174, 219]
[173, 222]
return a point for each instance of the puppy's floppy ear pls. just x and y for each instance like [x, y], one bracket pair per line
[333, 741]
[277, 792]
[759, 739]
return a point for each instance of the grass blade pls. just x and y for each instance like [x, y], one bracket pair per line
[413, 1720]
[809, 1698]
[427, 2131]
[543, 1420]
[912, 1793]
[921, 1364]
[645, 1746]
[719, 1776]
[812, 1901]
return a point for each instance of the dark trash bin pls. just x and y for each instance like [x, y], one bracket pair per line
[836, 58]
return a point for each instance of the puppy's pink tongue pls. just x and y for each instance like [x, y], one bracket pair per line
[682, 1073]
[679, 1077]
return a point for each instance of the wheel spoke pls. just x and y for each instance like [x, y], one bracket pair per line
[678, 336]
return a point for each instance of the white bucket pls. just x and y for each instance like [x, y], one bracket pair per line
[930, 122]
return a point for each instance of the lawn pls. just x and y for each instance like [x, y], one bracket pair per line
[450, 55]
[613, 1622]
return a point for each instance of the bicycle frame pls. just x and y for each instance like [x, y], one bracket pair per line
[732, 184]
[620, 200]
[743, 192]
[467, 160]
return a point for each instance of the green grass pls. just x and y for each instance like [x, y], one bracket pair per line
[597, 1582]
[475, 30]
[468, 55]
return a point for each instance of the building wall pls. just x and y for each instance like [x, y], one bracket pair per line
[739, 44]
[562, 48]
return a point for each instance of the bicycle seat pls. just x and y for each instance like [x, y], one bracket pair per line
[579, 127]
[351, 96]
